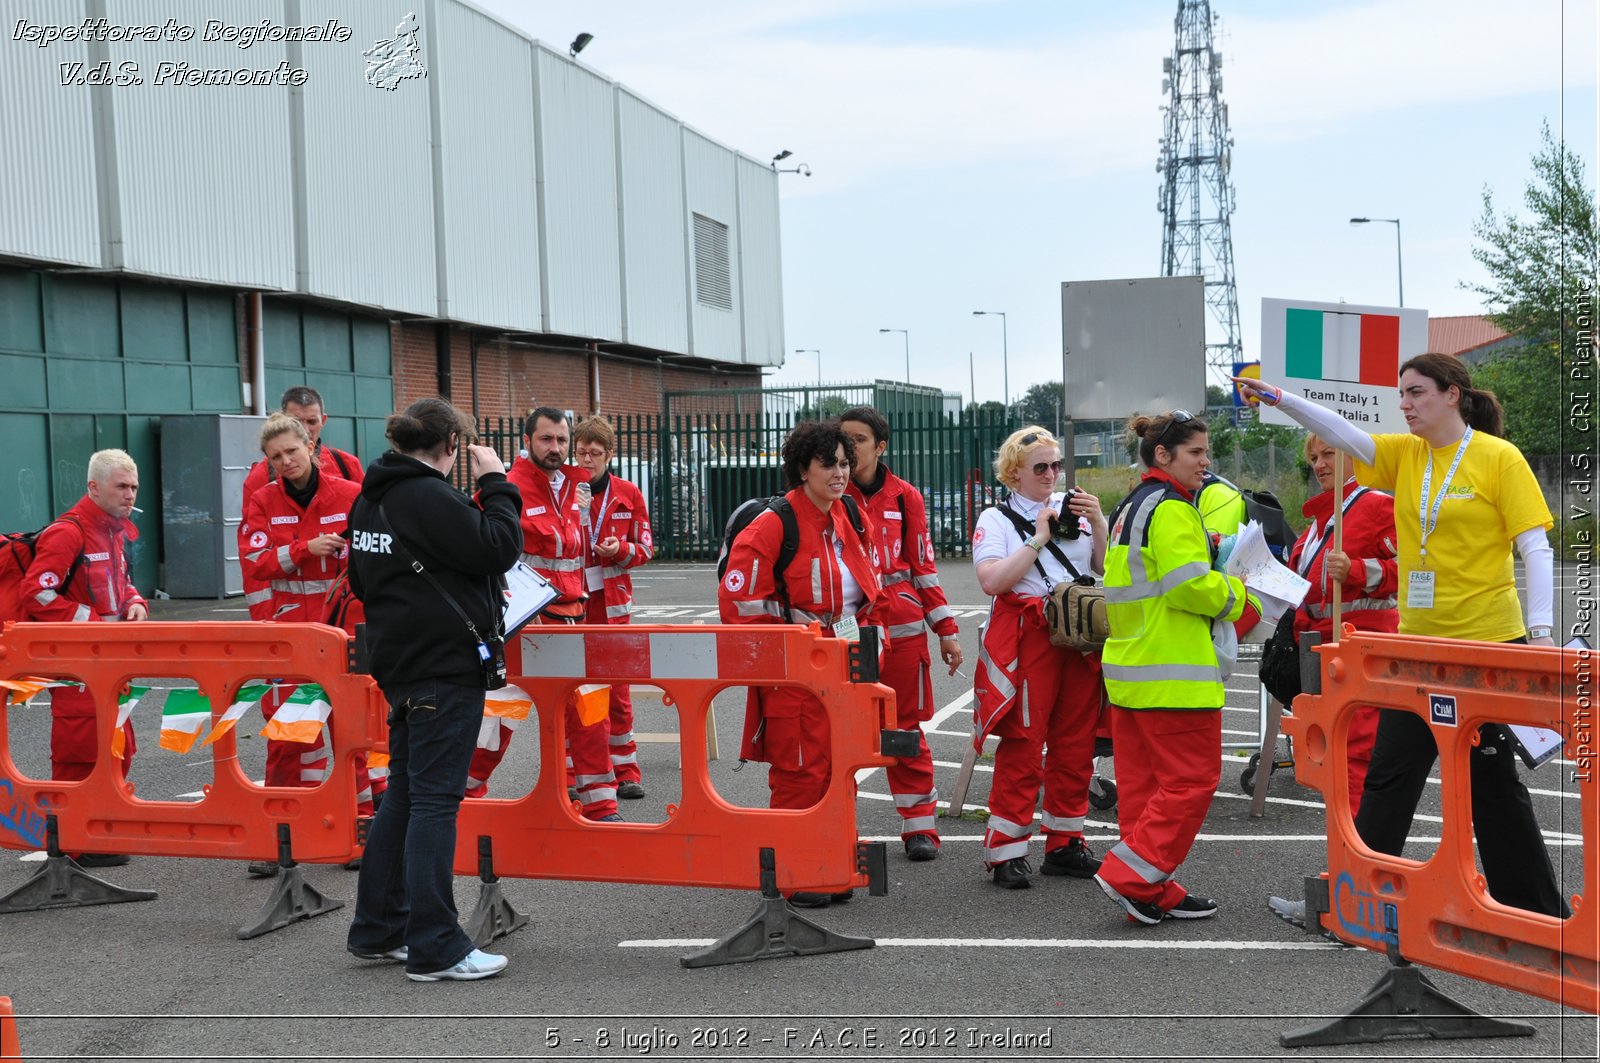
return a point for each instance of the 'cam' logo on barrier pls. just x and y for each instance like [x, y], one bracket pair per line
[1442, 709]
[1364, 915]
[19, 818]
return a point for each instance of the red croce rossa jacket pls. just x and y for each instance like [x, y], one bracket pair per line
[897, 517]
[1369, 592]
[273, 550]
[618, 509]
[330, 462]
[101, 588]
[552, 529]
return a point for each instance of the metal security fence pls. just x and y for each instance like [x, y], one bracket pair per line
[695, 469]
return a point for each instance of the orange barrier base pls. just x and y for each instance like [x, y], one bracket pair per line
[10, 1040]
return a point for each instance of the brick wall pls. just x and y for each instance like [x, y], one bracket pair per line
[513, 378]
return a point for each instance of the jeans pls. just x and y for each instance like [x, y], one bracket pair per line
[406, 893]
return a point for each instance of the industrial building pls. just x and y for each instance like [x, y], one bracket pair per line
[409, 199]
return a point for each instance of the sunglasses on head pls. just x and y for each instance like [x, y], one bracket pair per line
[1042, 467]
[1178, 417]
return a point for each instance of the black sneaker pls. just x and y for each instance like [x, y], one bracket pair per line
[1143, 913]
[101, 859]
[1075, 859]
[630, 791]
[921, 847]
[1193, 907]
[1013, 874]
[261, 868]
[807, 899]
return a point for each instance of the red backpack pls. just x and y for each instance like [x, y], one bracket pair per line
[16, 555]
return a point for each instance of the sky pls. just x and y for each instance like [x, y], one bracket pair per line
[974, 154]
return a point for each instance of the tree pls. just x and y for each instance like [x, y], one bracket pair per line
[1535, 265]
[1216, 395]
[1538, 270]
[988, 411]
[1041, 404]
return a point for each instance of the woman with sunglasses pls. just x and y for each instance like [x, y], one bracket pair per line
[1161, 669]
[831, 580]
[1463, 496]
[1041, 700]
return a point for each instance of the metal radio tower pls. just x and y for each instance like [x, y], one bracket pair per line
[1196, 200]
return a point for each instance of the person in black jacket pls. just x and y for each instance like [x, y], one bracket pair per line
[427, 661]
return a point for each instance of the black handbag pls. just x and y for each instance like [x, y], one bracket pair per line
[1280, 661]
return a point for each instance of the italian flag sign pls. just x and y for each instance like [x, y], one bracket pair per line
[1342, 356]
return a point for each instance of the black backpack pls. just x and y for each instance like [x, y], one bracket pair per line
[748, 511]
[1264, 508]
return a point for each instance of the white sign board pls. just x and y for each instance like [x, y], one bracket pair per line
[1133, 346]
[1342, 356]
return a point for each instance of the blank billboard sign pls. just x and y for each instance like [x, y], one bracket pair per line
[1133, 346]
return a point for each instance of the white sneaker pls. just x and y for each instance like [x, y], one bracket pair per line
[476, 964]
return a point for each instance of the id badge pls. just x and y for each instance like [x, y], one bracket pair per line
[592, 578]
[847, 629]
[1419, 590]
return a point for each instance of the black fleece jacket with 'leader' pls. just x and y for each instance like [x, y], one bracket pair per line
[412, 633]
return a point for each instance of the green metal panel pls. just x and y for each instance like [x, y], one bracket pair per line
[153, 324]
[281, 338]
[71, 443]
[340, 432]
[213, 337]
[327, 340]
[374, 396]
[373, 441]
[24, 379]
[25, 487]
[216, 389]
[110, 432]
[80, 316]
[21, 320]
[82, 385]
[338, 391]
[158, 388]
[279, 381]
[370, 340]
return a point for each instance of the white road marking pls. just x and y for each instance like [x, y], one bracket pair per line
[1036, 943]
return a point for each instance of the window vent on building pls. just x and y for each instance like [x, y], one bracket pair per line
[712, 283]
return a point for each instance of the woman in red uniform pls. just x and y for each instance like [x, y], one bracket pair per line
[292, 539]
[898, 518]
[832, 580]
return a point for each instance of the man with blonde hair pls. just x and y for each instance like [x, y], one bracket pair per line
[80, 574]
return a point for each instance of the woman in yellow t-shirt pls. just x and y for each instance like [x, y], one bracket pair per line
[1462, 497]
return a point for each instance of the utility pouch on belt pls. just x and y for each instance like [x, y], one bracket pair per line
[1075, 612]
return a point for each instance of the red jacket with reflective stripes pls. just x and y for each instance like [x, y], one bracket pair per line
[1369, 591]
[898, 518]
[330, 462]
[101, 588]
[553, 537]
[618, 511]
[274, 550]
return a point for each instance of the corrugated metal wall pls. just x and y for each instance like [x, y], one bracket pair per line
[578, 165]
[435, 198]
[655, 269]
[204, 182]
[709, 191]
[489, 224]
[760, 263]
[48, 207]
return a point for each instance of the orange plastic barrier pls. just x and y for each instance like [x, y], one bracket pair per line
[10, 1039]
[704, 841]
[1439, 911]
[235, 818]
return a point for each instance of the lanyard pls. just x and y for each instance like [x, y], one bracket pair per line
[597, 516]
[1429, 518]
[1308, 556]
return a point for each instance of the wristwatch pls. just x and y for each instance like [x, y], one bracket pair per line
[1035, 542]
[1539, 631]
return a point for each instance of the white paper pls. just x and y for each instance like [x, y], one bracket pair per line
[1278, 587]
[527, 593]
[1538, 744]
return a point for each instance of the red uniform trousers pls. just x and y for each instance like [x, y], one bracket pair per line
[1363, 736]
[305, 764]
[1046, 736]
[589, 762]
[1167, 772]
[624, 752]
[797, 739]
[904, 669]
[74, 745]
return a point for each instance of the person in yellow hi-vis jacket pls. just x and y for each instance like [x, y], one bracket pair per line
[1161, 670]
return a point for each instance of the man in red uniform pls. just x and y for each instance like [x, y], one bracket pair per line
[304, 405]
[618, 539]
[898, 517]
[80, 574]
[553, 495]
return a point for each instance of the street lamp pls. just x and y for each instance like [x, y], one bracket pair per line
[813, 350]
[1399, 269]
[905, 334]
[1005, 352]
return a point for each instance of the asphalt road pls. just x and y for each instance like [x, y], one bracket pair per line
[962, 970]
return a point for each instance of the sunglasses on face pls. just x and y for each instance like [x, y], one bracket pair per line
[1042, 467]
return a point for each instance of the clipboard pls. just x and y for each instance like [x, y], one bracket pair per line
[527, 594]
[1538, 746]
